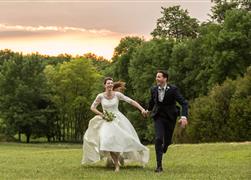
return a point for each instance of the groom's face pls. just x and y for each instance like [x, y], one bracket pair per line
[160, 79]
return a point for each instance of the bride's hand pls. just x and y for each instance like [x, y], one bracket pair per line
[147, 112]
[102, 115]
[144, 112]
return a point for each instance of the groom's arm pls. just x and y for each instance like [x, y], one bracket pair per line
[151, 101]
[182, 101]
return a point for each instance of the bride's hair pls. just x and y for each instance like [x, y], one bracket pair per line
[107, 79]
[119, 86]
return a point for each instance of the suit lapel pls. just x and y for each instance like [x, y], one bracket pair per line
[156, 93]
[167, 91]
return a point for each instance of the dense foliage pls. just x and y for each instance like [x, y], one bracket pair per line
[43, 96]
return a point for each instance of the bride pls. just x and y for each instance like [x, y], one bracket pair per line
[116, 139]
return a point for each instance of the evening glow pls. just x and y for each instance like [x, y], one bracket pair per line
[55, 27]
[53, 40]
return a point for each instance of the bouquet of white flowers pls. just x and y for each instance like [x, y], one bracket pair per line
[109, 116]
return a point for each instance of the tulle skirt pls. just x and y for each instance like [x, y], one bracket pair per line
[119, 136]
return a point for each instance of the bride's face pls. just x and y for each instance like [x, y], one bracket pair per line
[109, 85]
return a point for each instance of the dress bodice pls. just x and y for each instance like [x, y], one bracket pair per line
[110, 104]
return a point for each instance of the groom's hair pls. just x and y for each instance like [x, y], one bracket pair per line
[164, 73]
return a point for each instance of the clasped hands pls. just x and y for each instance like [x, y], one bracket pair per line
[182, 121]
[145, 113]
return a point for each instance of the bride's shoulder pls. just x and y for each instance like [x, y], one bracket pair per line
[100, 95]
[117, 93]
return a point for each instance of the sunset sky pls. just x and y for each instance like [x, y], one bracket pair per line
[77, 27]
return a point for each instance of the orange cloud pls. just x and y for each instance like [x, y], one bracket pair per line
[53, 40]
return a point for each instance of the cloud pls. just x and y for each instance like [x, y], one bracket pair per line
[21, 31]
[16, 28]
[57, 39]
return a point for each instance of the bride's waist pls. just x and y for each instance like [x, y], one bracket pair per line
[112, 110]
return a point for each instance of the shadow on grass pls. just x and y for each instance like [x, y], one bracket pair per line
[44, 145]
[122, 168]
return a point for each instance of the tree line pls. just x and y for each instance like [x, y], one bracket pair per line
[46, 96]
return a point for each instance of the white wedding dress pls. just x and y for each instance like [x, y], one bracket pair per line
[103, 137]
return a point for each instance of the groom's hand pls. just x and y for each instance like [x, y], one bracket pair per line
[183, 122]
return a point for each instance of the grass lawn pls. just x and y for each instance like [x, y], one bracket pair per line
[187, 161]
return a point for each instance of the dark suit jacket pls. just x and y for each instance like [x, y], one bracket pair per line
[168, 107]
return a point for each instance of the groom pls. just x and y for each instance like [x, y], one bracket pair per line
[165, 112]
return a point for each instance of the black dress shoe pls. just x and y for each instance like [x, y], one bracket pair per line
[158, 170]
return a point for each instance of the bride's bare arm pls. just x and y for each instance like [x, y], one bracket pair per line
[137, 105]
[96, 111]
[131, 101]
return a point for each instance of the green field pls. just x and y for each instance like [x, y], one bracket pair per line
[188, 161]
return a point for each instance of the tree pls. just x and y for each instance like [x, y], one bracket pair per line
[192, 59]
[54, 60]
[222, 6]
[122, 57]
[73, 89]
[175, 23]
[219, 52]
[232, 47]
[22, 85]
[5, 55]
[99, 62]
[224, 114]
[240, 109]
